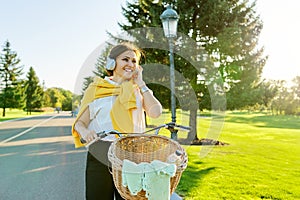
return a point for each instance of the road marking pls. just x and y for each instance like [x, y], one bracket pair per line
[26, 131]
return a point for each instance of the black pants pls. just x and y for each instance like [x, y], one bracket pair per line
[99, 181]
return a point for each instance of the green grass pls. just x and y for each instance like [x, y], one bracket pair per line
[262, 160]
[15, 113]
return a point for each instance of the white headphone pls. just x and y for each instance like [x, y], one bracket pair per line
[110, 63]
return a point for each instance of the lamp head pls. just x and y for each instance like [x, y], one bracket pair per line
[169, 20]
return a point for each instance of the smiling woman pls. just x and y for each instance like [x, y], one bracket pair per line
[127, 56]
[117, 102]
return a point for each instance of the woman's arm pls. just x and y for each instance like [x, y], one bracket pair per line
[152, 106]
[82, 124]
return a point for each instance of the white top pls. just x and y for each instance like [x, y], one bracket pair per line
[100, 114]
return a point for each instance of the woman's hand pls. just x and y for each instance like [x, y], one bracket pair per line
[81, 127]
[138, 76]
[151, 105]
[89, 135]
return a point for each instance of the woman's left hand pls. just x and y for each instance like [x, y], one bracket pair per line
[138, 77]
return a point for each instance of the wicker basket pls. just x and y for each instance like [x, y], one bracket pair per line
[143, 148]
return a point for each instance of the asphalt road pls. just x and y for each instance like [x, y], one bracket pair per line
[38, 160]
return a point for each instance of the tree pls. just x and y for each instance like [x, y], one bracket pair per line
[296, 91]
[225, 34]
[268, 91]
[10, 85]
[67, 100]
[33, 91]
[54, 97]
[279, 102]
[288, 99]
[58, 98]
[296, 87]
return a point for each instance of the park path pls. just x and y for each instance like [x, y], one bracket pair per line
[38, 159]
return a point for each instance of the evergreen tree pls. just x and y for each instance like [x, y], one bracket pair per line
[33, 91]
[10, 86]
[228, 31]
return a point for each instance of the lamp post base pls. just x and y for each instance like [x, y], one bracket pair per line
[174, 134]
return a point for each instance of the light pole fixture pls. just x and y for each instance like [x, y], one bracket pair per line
[169, 20]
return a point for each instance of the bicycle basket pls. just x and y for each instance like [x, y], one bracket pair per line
[143, 148]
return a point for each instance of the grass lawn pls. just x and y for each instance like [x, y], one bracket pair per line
[15, 113]
[262, 160]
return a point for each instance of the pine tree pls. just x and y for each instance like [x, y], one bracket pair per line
[10, 85]
[225, 53]
[33, 91]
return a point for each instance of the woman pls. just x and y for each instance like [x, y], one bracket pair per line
[117, 103]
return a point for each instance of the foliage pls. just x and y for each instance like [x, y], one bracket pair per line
[16, 92]
[10, 86]
[268, 91]
[286, 101]
[223, 59]
[33, 91]
[296, 87]
[58, 98]
[67, 101]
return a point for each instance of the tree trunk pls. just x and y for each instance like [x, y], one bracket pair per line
[3, 113]
[193, 124]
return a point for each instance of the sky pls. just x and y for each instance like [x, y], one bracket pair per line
[56, 37]
[280, 37]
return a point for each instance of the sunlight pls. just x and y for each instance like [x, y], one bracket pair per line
[67, 139]
[43, 153]
[280, 37]
[38, 169]
[7, 154]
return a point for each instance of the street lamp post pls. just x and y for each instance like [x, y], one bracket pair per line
[170, 20]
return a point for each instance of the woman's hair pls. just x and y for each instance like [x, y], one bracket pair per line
[121, 48]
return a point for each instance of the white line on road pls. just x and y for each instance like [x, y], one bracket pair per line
[26, 131]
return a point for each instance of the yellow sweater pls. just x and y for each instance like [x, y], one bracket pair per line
[121, 112]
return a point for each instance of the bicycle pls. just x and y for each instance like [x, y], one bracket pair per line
[143, 148]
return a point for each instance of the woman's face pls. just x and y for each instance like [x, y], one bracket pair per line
[126, 64]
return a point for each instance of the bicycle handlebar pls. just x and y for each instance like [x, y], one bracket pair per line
[168, 126]
[103, 134]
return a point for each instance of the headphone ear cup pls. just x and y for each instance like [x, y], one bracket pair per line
[110, 64]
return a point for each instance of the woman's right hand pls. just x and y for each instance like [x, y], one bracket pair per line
[89, 135]
[81, 127]
[138, 76]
